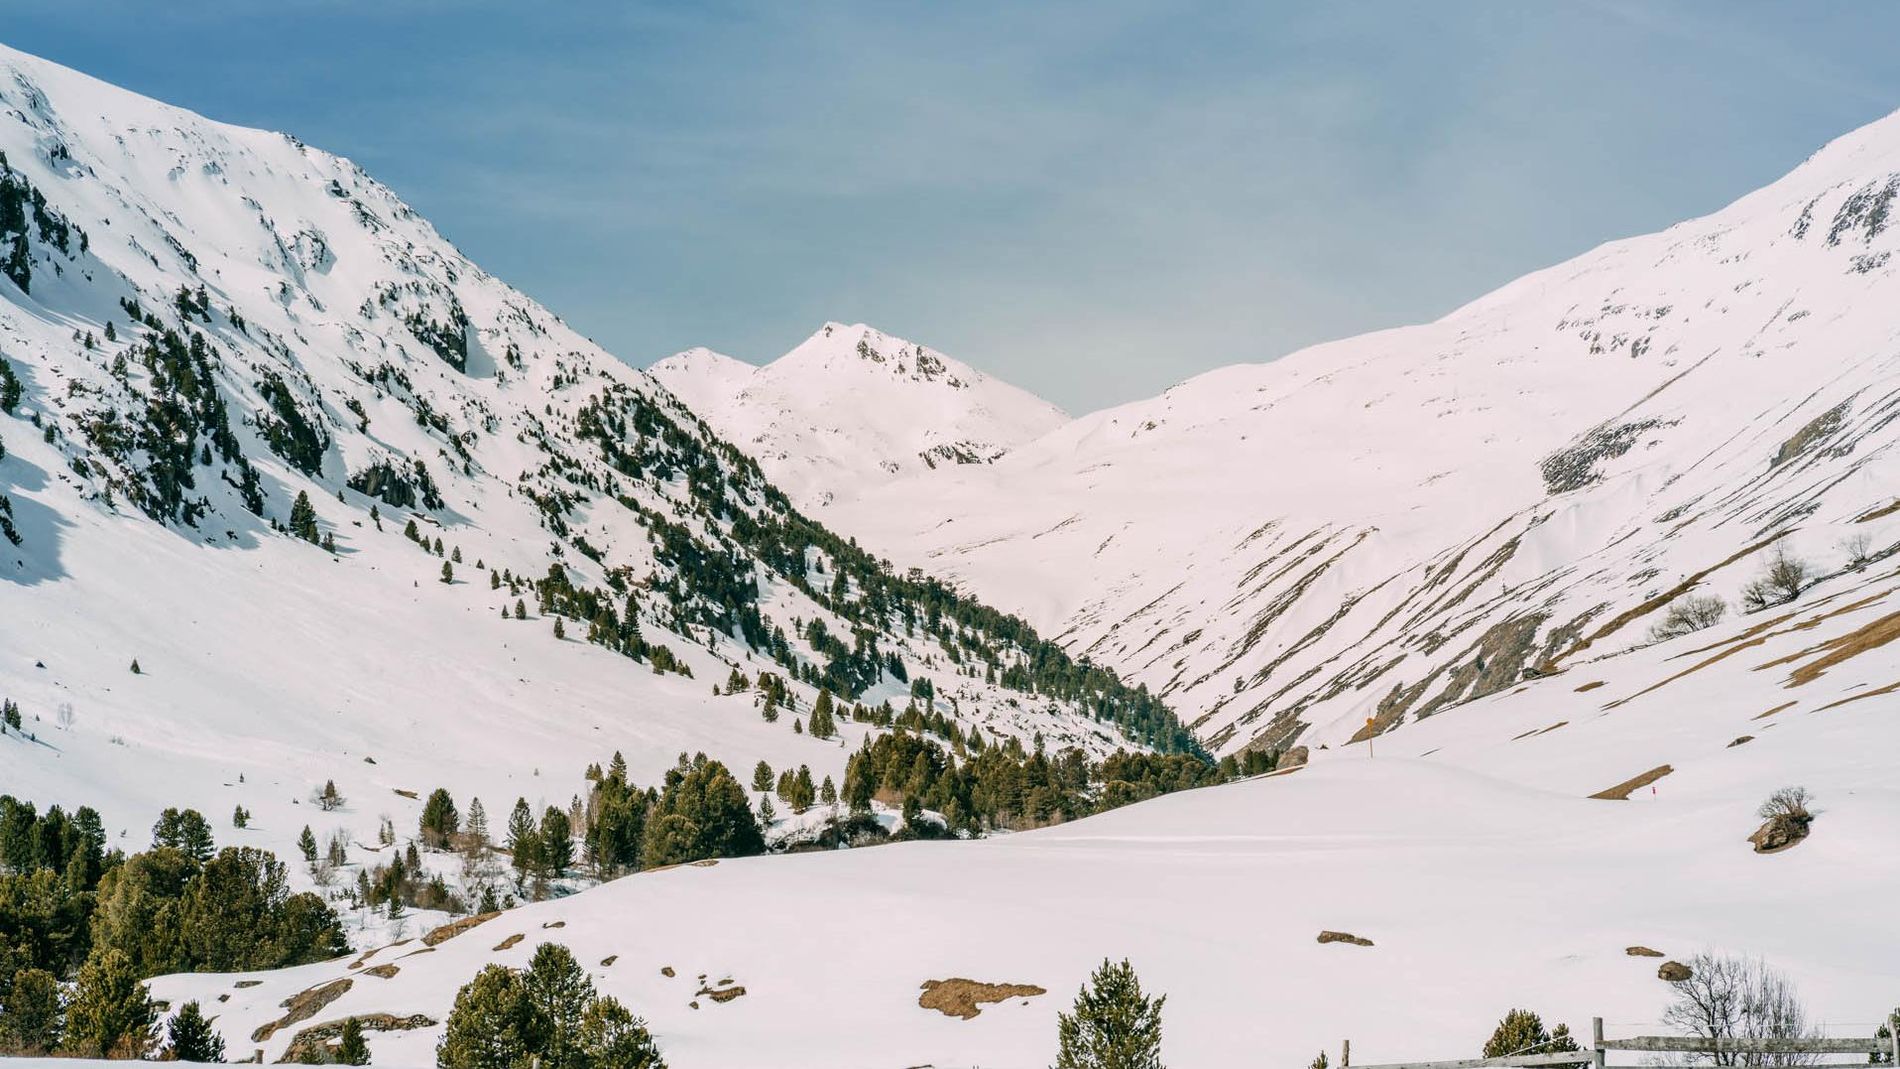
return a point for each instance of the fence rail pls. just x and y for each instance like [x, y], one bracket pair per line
[1595, 1055]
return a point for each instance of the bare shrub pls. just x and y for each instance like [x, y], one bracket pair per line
[1728, 998]
[1788, 802]
[1858, 548]
[1689, 613]
[1782, 580]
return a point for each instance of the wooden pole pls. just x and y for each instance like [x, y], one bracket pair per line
[1596, 1043]
[1345, 1053]
[1893, 1036]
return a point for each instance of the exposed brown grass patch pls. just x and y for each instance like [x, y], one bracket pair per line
[508, 942]
[958, 997]
[1862, 696]
[304, 1005]
[1344, 937]
[383, 972]
[1885, 510]
[555, 924]
[1592, 685]
[411, 795]
[1777, 709]
[1841, 648]
[1739, 739]
[1623, 790]
[454, 928]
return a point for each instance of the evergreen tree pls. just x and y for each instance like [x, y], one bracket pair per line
[828, 792]
[557, 842]
[475, 831]
[1522, 1032]
[136, 670]
[111, 1014]
[350, 1047]
[240, 817]
[448, 572]
[192, 1037]
[762, 777]
[1113, 1025]
[303, 518]
[440, 821]
[822, 724]
[491, 1025]
[548, 1015]
[524, 843]
[307, 843]
[186, 831]
[30, 1023]
[611, 1037]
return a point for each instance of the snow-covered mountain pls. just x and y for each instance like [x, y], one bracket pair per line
[1490, 511]
[852, 407]
[1383, 527]
[333, 488]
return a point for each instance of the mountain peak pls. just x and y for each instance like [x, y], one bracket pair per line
[851, 405]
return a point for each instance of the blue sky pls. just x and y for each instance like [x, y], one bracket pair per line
[1094, 200]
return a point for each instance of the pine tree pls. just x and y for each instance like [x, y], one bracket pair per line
[350, 1047]
[186, 831]
[410, 532]
[822, 725]
[136, 670]
[494, 581]
[557, 842]
[767, 811]
[448, 572]
[1522, 1032]
[828, 792]
[303, 518]
[475, 831]
[524, 843]
[240, 817]
[521, 609]
[192, 1037]
[328, 798]
[111, 1013]
[307, 843]
[31, 1021]
[440, 821]
[762, 777]
[1113, 1025]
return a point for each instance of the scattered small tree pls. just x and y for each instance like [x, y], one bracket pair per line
[192, 1037]
[307, 844]
[1523, 1032]
[30, 1024]
[1782, 580]
[350, 1047]
[328, 798]
[1785, 819]
[1729, 998]
[440, 821]
[1113, 1025]
[1858, 548]
[1692, 612]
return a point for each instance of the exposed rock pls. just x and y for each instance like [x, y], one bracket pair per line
[1674, 971]
[1643, 952]
[958, 997]
[454, 928]
[1780, 832]
[1344, 937]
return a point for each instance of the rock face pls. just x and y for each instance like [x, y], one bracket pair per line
[1674, 971]
[1642, 952]
[1780, 832]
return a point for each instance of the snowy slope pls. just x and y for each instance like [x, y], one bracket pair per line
[300, 330]
[1389, 525]
[852, 407]
[1466, 849]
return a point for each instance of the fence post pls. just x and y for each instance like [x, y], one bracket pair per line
[1596, 1043]
[1893, 1036]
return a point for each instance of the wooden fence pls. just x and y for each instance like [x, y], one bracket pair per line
[1716, 1048]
